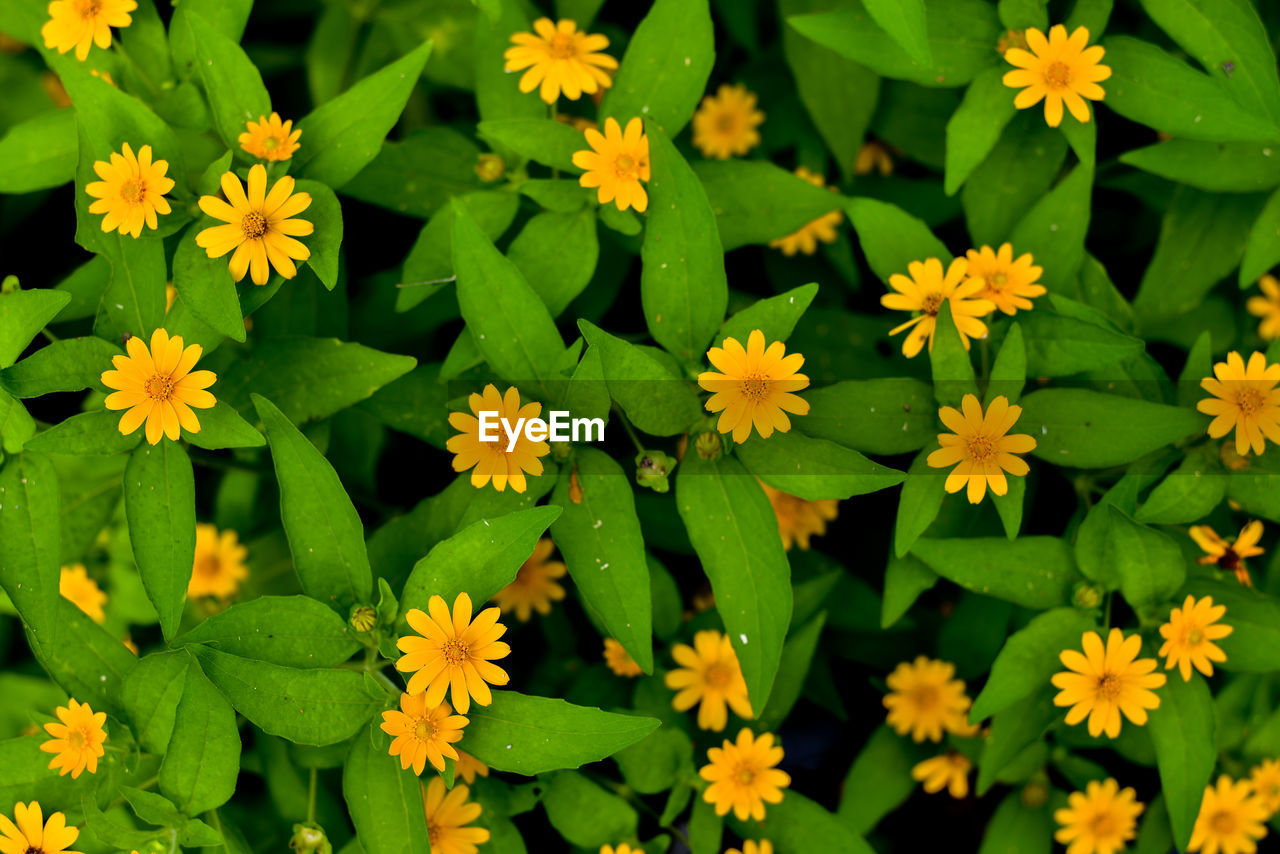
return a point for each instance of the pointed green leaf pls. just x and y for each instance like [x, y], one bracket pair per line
[384, 800]
[1182, 732]
[94, 433]
[1029, 657]
[160, 503]
[1034, 572]
[22, 315]
[655, 400]
[71, 364]
[231, 81]
[1087, 429]
[202, 760]
[29, 541]
[814, 469]
[205, 287]
[294, 631]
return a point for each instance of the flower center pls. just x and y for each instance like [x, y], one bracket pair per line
[561, 46]
[626, 167]
[78, 739]
[999, 280]
[455, 651]
[433, 834]
[1103, 826]
[271, 143]
[718, 676]
[745, 774]
[89, 9]
[727, 123]
[1223, 823]
[981, 447]
[159, 387]
[754, 387]
[1229, 561]
[1249, 401]
[931, 303]
[425, 729]
[1057, 75]
[1109, 686]
[208, 566]
[133, 191]
[926, 697]
[34, 850]
[254, 225]
[1195, 637]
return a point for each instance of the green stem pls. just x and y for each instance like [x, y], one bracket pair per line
[551, 114]
[1106, 622]
[47, 334]
[631, 433]
[311, 798]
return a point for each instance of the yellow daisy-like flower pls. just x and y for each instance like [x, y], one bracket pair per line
[1244, 398]
[926, 700]
[157, 386]
[798, 518]
[77, 739]
[1058, 69]
[422, 733]
[756, 386]
[1230, 820]
[750, 846]
[75, 585]
[925, 289]
[823, 228]
[743, 775]
[468, 767]
[454, 653]
[873, 157]
[621, 848]
[710, 677]
[1267, 307]
[131, 191]
[448, 814]
[1265, 779]
[980, 447]
[1103, 682]
[260, 227]
[219, 565]
[725, 123]
[1008, 283]
[491, 460]
[949, 771]
[80, 24]
[561, 59]
[29, 833]
[1190, 634]
[535, 586]
[1099, 820]
[619, 660]
[616, 164]
[270, 138]
[1229, 557]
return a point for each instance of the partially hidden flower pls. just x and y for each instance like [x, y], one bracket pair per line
[1058, 70]
[924, 290]
[1008, 282]
[77, 739]
[620, 848]
[823, 228]
[1100, 820]
[949, 771]
[619, 660]
[616, 163]
[468, 767]
[454, 653]
[1245, 399]
[490, 460]
[29, 833]
[75, 585]
[726, 123]
[1267, 307]
[219, 567]
[799, 518]
[561, 59]
[1190, 634]
[743, 775]
[158, 387]
[750, 846]
[260, 226]
[535, 586]
[422, 733]
[873, 157]
[80, 24]
[710, 677]
[981, 447]
[1265, 779]
[131, 191]
[269, 138]
[1229, 557]
[756, 386]
[1230, 820]
[925, 700]
[448, 815]
[1105, 681]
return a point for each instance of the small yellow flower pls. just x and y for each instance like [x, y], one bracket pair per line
[925, 289]
[131, 191]
[75, 585]
[710, 675]
[1267, 307]
[949, 771]
[1099, 820]
[77, 740]
[823, 228]
[755, 388]
[490, 460]
[925, 700]
[1265, 779]
[873, 157]
[1244, 398]
[1190, 634]
[621, 848]
[1230, 820]
[535, 586]
[1060, 69]
[454, 653]
[157, 386]
[619, 660]
[219, 565]
[31, 834]
[81, 24]
[750, 846]
[259, 226]
[1229, 557]
[980, 447]
[1008, 283]
[468, 767]
[448, 814]
[1105, 681]
[616, 163]
[798, 518]
[743, 775]
[725, 123]
[560, 58]
[422, 733]
[269, 138]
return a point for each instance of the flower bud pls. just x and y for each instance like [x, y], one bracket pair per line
[708, 445]
[310, 839]
[1035, 794]
[490, 167]
[1085, 596]
[653, 469]
[363, 618]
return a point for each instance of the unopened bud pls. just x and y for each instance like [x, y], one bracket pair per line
[708, 445]
[310, 839]
[9, 285]
[490, 167]
[363, 618]
[1086, 597]
[653, 469]
[1035, 794]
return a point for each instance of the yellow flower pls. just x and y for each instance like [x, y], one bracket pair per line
[925, 289]
[925, 700]
[467, 767]
[1099, 820]
[1230, 820]
[1006, 282]
[77, 740]
[1190, 634]
[131, 191]
[743, 777]
[1226, 556]
[750, 846]
[709, 675]
[270, 138]
[621, 848]
[219, 564]
[949, 771]
[873, 157]
[560, 58]
[454, 653]
[535, 586]
[421, 732]
[980, 447]
[823, 228]
[75, 585]
[491, 459]
[619, 660]
[81, 24]
[725, 123]
[616, 163]
[1057, 69]
[448, 813]
[1267, 306]
[1246, 398]
[798, 518]
[1103, 682]
[32, 834]
[157, 385]
[755, 387]
[259, 226]
[1265, 779]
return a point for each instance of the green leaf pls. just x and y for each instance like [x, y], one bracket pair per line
[905, 579]
[1016, 828]
[891, 238]
[325, 534]
[25, 773]
[81, 656]
[150, 696]
[706, 829]
[39, 153]
[584, 813]
[1053, 231]
[654, 400]
[539, 252]
[1187, 494]
[814, 469]
[231, 81]
[1149, 563]
[921, 499]
[975, 126]
[1217, 167]
[949, 360]
[1182, 732]
[879, 780]
[1012, 731]
[775, 316]
[1015, 176]
[799, 824]
[293, 631]
[735, 534]
[205, 287]
[1020, 14]
[534, 735]
[1262, 251]
[111, 833]
[793, 669]
[559, 195]
[29, 541]
[1254, 646]
[160, 503]
[227, 17]
[1034, 572]
[429, 265]
[414, 404]
[202, 760]
[905, 23]
[1029, 657]
[1009, 373]
[756, 201]
[543, 140]
[94, 433]
[1060, 345]
[16, 424]
[881, 416]
[325, 213]
[222, 427]
[656, 762]
[384, 800]
[134, 299]
[418, 175]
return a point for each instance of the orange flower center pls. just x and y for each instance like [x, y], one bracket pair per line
[78, 739]
[981, 447]
[754, 387]
[627, 167]
[1195, 637]
[133, 191]
[931, 303]
[926, 697]
[727, 122]
[1057, 75]
[745, 773]
[433, 834]
[1249, 401]
[1109, 686]
[719, 676]
[455, 651]
[254, 225]
[1103, 826]
[271, 143]
[208, 566]
[1223, 823]
[999, 280]
[561, 46]
[425, 730]
[89, 9]
[1229, 561]
[159, 387]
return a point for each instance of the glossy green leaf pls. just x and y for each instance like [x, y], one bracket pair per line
[797, 654]
[325, 214]
[1029, 657]
[891, 238]
[654, 400]
[1187, 494]
[294, 631]
[543, 140]
[584, 813]
[814, 469]
[1034, 572]
[883, 416]
[1053, 230]
[920, 501]
[949, 360]
[202, 760]
[1216, 167]
[798, 823]
[39, 153]
[1182, 731]
[1262, 251]
[775, 316]
[1059, 344]
[231, 81]
[974, 128]
[160, 504]
[905, 22]
[221, 427]
[150, 696]
[29, 541]
[756, 201]
[1254, 645]
[22, 315]
[538, 251]
[384, 800]
[205, 286]
[94, 433]
[1017, 827]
